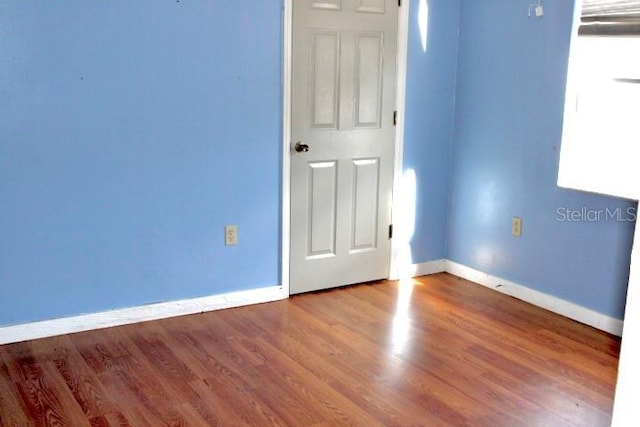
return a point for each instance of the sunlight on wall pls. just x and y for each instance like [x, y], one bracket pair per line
[405, 224]
[423, 22]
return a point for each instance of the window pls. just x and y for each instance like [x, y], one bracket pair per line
[602, 109]
[610, 18]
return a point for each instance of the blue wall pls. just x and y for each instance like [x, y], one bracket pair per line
[130, 134]
[508, 124]
[431, 83]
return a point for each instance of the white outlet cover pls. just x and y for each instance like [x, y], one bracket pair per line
[231, 235]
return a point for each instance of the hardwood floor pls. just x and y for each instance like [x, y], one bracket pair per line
[436, 351]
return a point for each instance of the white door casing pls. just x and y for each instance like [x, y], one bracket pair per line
[343, 97]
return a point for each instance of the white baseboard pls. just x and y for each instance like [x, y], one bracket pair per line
[107, 319]
[430, 267]
[111, 318]
[540, 299]
[421, 269]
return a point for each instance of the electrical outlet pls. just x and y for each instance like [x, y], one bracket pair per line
[516, 226]
[231, 235]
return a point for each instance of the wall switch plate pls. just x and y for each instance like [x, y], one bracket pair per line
[231, 235]
[516, 226]
[539, 11]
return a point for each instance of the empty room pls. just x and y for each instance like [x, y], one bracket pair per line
[319, 213]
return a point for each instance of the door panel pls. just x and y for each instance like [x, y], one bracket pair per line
[325, 46]
[328, 5]
[371, 6]
[364, 218]
[368, 71]
[322, 209]
[343, 98]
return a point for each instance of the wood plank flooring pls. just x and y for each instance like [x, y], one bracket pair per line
[436, 351]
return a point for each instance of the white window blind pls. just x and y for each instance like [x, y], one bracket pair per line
[610, 18]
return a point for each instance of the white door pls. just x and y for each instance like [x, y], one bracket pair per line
[343, 102]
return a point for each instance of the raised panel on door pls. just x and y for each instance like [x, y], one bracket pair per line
[370, 6]
[327, 5]
[368, 79]
[323, 78]
[321, 209]
[364, 212]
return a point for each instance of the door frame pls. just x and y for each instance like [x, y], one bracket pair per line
[401, 81]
